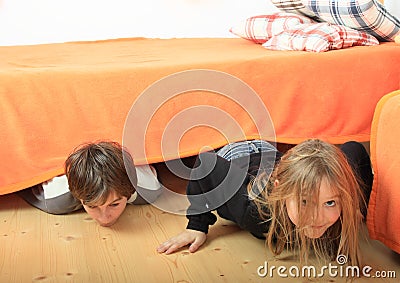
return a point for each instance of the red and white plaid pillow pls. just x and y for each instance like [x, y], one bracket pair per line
[319, 37]
[365, 15]
[261, 28]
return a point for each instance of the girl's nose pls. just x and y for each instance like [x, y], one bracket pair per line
[318, 217]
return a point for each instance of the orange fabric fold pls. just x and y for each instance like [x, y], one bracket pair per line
[54, 97]
[383, 208]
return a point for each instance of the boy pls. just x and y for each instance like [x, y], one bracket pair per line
[101, 178]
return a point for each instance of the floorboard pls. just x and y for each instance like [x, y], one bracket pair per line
[39, 247]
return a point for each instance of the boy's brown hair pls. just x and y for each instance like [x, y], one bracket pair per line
[97, 168]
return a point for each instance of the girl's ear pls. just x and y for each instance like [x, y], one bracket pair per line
[276, 183]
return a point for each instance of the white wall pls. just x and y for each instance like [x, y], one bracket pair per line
[42, 21]
[393, 6]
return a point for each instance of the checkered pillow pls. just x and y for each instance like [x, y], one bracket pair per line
[365, 15]
[261, 28]
[295, 6]
[319, 37]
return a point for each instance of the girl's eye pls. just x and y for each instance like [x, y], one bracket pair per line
[114, 204]
[303, 202]
[91, 206]
[330, 203]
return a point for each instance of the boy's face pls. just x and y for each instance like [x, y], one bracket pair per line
[327, 211]
[109, 212]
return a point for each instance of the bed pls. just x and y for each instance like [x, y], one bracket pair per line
[54, 97]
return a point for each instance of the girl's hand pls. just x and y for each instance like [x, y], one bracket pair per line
[188, 237]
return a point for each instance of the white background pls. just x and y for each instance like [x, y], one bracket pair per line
[25, 22]
[43, 21]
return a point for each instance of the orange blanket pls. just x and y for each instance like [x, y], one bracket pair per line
[53, 97]
[383, 210]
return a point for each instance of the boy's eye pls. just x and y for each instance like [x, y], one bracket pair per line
[303, 202]
[91, 206]
[114, 204]
[330, 203]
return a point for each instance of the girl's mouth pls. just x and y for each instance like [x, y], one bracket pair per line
[318, 227]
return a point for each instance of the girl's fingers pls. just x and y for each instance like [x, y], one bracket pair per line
[164, 247]
[188, 237]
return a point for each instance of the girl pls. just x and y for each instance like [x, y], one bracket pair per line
[311, 200]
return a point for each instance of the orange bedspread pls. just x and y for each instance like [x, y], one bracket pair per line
[56, 96]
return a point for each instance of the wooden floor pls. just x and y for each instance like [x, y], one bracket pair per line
[38, 247]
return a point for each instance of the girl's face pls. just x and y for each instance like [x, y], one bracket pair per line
[327, 211]
[109, 212]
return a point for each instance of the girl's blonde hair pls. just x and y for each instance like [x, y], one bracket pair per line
[299, 174]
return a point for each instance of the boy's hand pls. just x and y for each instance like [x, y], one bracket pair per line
[188, 237]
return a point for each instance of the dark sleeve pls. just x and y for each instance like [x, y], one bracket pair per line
[219, 184]
[230, 199]
[200, 222]
[210, 186]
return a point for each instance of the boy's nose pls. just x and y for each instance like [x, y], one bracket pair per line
[104, 218]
